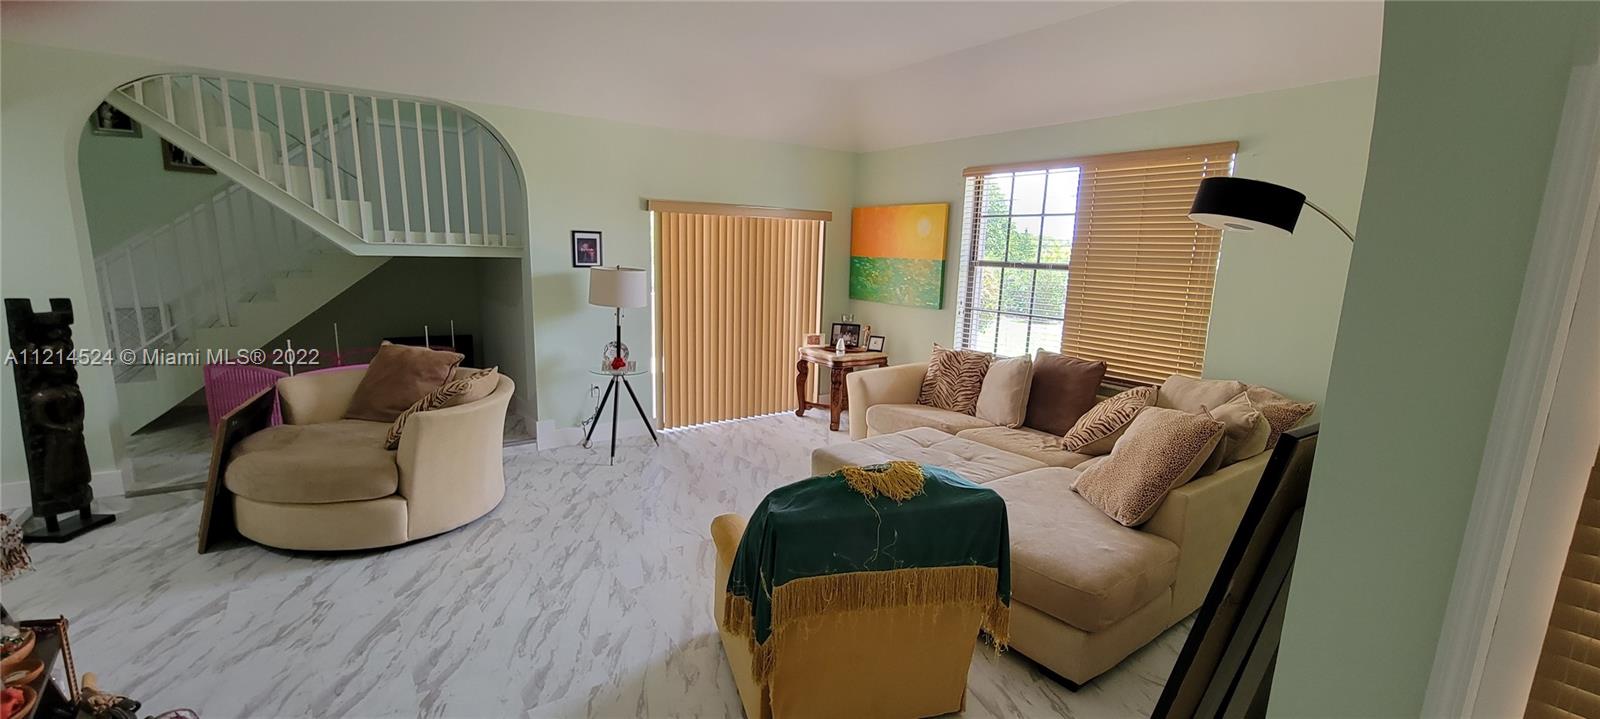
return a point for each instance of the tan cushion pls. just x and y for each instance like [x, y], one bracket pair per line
[1282, 413]
[889, 418]
[1097, 431]
[1004, 397]
[397, 377]
[1191, 395]
[445, 396]
[1063, 389]
[342, 461]
[976, 462]
[1244, 430]
[1030, 443]
[480, 384]
[954, 379]
[1162, 449]
[1071, 561]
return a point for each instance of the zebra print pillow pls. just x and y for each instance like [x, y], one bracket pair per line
[1098, 429]
[436, 399]
[954, 379]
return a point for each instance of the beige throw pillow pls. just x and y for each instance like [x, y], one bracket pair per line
[1098, 429]
[954, 379]
[1282, 413]
[1004, 397]
[1162, 449]
[1192, 395]
[1245, 431]
[443, 397]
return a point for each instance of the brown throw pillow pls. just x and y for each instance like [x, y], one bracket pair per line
[446, 396]
[1245, 430]
[1162, 449]
[1098, 429]
[480, 383]
[396, 378]
[1063, 389]
[1282, 413]
[1190, 394]
[954, 379]
[1004, 397]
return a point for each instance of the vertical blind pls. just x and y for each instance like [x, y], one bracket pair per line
[1135, 287]
[737, 293]
[1566, 682]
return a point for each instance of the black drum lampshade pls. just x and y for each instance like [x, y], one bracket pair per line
[1237, 203]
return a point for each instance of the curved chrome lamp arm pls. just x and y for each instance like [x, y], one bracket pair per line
[1335, 222]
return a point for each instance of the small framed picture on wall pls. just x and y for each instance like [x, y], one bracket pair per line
[177, 159]
[875, 343]
[585, 248]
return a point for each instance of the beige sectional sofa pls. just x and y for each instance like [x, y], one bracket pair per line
[1087, 591]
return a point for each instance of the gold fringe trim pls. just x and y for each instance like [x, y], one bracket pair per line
[897, 480]
[926, 587]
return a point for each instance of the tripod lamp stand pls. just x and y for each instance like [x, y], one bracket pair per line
[619, 288]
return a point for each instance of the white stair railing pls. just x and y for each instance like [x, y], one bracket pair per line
[388, 170]
[163, 284]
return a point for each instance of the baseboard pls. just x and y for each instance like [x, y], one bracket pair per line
[105, 483]
[550, 436]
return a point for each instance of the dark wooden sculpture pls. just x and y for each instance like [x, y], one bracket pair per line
[51, 414]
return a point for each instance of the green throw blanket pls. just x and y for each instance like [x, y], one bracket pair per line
[892, 535]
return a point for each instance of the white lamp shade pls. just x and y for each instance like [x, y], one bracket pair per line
[622, 287]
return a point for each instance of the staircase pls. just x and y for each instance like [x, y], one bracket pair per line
[326, 186]
[377, 176]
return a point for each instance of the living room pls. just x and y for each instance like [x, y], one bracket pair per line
[1092, 324]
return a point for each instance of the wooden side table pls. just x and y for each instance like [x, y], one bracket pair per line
[838, 366]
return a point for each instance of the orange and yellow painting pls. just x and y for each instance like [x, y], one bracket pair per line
[897, 254]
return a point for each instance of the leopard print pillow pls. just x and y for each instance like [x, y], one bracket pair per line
[1162, 449]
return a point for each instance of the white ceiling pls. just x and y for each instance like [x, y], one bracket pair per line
[851, 75]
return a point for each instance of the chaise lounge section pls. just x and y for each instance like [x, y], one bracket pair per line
[1087, 591]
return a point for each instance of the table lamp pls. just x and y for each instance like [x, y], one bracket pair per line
[620, 288]
[1246, 205]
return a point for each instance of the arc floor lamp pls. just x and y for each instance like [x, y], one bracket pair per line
[1246, 205]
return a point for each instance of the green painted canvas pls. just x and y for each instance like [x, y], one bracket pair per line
[897, 254]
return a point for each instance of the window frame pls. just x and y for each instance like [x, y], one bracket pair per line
[969, 307]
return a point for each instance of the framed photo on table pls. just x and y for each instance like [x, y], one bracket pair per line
[875, 343]
[586, 248]
[850, 331]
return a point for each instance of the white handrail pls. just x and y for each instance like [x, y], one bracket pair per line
[354, 157]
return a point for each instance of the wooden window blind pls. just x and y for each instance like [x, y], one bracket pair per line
[736, 295]
[1566, 682]
[1094, 256]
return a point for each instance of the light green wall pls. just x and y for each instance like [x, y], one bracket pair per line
[1277, 302]
[1467, 111]
[126, 190]
[587, 174]
[46, 95]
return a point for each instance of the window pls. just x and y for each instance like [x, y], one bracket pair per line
[1095, 257]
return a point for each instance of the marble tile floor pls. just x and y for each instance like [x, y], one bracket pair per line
[586, 593]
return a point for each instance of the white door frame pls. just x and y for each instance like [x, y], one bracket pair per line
[1546, 412]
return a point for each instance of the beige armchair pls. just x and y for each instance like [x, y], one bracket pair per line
[890, 662]
[322, 482]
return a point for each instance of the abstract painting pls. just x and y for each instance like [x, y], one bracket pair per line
[897, 254]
